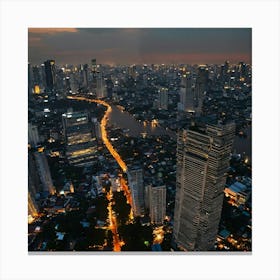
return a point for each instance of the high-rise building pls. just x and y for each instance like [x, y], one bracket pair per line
[163, 98]
[33, 135]
[85, 75]
[50, 74]
[136, 184]
[186, 93]
[94, 73]
[43, 75]
[157, 203]
[202, 160]
[100, 86]
[44, 172]
[201, 86]
[34, 185]
[81, 146]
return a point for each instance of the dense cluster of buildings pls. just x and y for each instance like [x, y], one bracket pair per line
[184, 189]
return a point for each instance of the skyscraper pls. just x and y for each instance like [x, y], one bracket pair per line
[136, 184]
[44, 172]
[202, 160]
[34, 184]
[33, 136]
[81, 146]
[50, 74]
[94, 70]
[186, 93]
[85, 75]
[157, 203]
[100, 86]
[201, 86]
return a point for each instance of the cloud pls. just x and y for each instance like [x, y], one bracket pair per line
[137, 45]
[51, 31]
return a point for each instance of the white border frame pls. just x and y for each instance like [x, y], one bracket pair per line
[17, 16]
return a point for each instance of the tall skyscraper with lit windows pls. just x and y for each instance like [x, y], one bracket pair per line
[80, 140]
[94, 73]
[157, 203]
[101, 91]
[85, 75]
[33, 135]
[203, 156]
[186, 93]
[50, 74]
[44, 172]
[201, 86]
[136, 184]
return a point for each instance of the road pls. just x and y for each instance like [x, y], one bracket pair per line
[113, 224]
[103, 124]
[112, 217]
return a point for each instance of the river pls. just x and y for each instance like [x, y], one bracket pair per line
[126, 121]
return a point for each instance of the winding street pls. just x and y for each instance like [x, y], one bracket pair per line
[112, 217]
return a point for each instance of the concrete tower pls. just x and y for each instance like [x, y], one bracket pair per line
[157, 203]
[201, 86]
[136, 184]
[202, 159]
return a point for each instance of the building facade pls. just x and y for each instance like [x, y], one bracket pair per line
[33, 135]
[201, 86]
[136, 184]
[186, 93]
[157, 203]
[50, 74]
[44, 172]
[80, 140]
[202, 160]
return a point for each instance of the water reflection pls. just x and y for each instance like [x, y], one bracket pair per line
[135, 128]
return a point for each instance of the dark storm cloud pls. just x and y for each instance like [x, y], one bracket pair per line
[150, 45]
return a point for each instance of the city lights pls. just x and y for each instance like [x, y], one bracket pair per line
[139, 156]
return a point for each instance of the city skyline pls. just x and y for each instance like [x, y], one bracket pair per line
[119, 175]
[115, 46]
[145, 189]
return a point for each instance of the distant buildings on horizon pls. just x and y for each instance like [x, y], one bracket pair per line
[203, 153]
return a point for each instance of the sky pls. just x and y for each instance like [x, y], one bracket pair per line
[139, 45]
